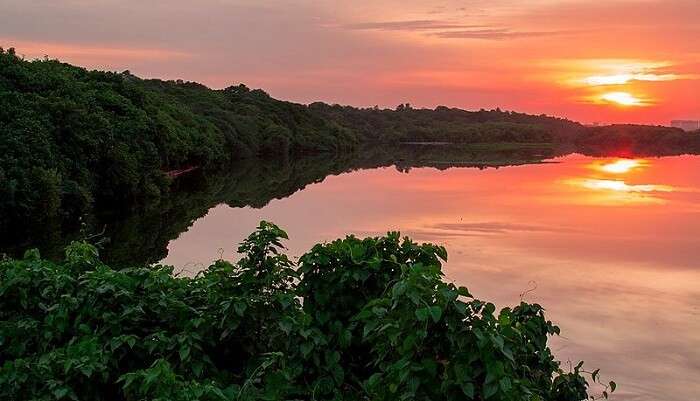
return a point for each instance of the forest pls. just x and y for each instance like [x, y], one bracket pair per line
[74, 140]
[353, 319]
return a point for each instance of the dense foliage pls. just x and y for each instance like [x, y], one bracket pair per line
[71, 137]
[356, 319]
[630, 139]
[453, 125]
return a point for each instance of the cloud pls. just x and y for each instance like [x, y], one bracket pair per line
[621, 79]
[451, 30]
[414, 25]
[498, 34]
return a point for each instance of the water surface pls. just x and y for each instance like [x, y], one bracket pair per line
[609, 246]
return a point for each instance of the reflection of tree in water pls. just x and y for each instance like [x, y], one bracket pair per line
[141, 235]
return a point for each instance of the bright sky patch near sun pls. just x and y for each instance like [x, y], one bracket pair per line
[622, 99]
[621, 79]
[589, 61]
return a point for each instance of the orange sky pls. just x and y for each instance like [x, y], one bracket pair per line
[612, 61]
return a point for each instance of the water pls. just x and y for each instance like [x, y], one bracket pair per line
[609, 246]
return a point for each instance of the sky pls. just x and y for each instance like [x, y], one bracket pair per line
[611, 61]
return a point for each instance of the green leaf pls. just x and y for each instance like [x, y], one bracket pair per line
[374, 380]
[306, 348]
[184, 352]
[436, 313]
[468, 390]
[345, 338]
[60, 392]
[286, 324]
[197, 368]
[461, 307]
[509, 354]
[240, 308]
[505, 384]
[422, 314]
[463, 291]
[441, 252]
[490, 389]
[399, 289]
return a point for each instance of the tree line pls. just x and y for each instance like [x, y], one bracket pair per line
[72, 138]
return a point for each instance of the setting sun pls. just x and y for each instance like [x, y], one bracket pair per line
[622, 98]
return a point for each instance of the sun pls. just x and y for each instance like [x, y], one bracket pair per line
[622, 99]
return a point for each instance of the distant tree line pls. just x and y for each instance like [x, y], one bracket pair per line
[630, 139]
[448, 124]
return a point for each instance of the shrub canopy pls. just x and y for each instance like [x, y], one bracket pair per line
[354, 319]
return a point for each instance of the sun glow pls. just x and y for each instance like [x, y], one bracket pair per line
[621, 79]
[626, 84]
[622, 99]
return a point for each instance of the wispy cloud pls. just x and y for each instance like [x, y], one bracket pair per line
[498, 34]
[621, 72]
[413, 25]
[451, 30]
[621, 79]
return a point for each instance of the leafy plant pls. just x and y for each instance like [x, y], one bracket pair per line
[356, 319]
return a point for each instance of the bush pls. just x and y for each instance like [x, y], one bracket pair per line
[356, 319]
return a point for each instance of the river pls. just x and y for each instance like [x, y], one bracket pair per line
[610, 246]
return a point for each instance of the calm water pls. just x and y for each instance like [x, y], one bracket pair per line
[609, 246]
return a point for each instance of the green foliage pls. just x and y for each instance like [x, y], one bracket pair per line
[629, 139]
[70, 138]
[356, 319]
[444, 124]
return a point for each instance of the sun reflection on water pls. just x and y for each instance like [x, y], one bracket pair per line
[621, 186]
[621, 166]
[607, 188]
